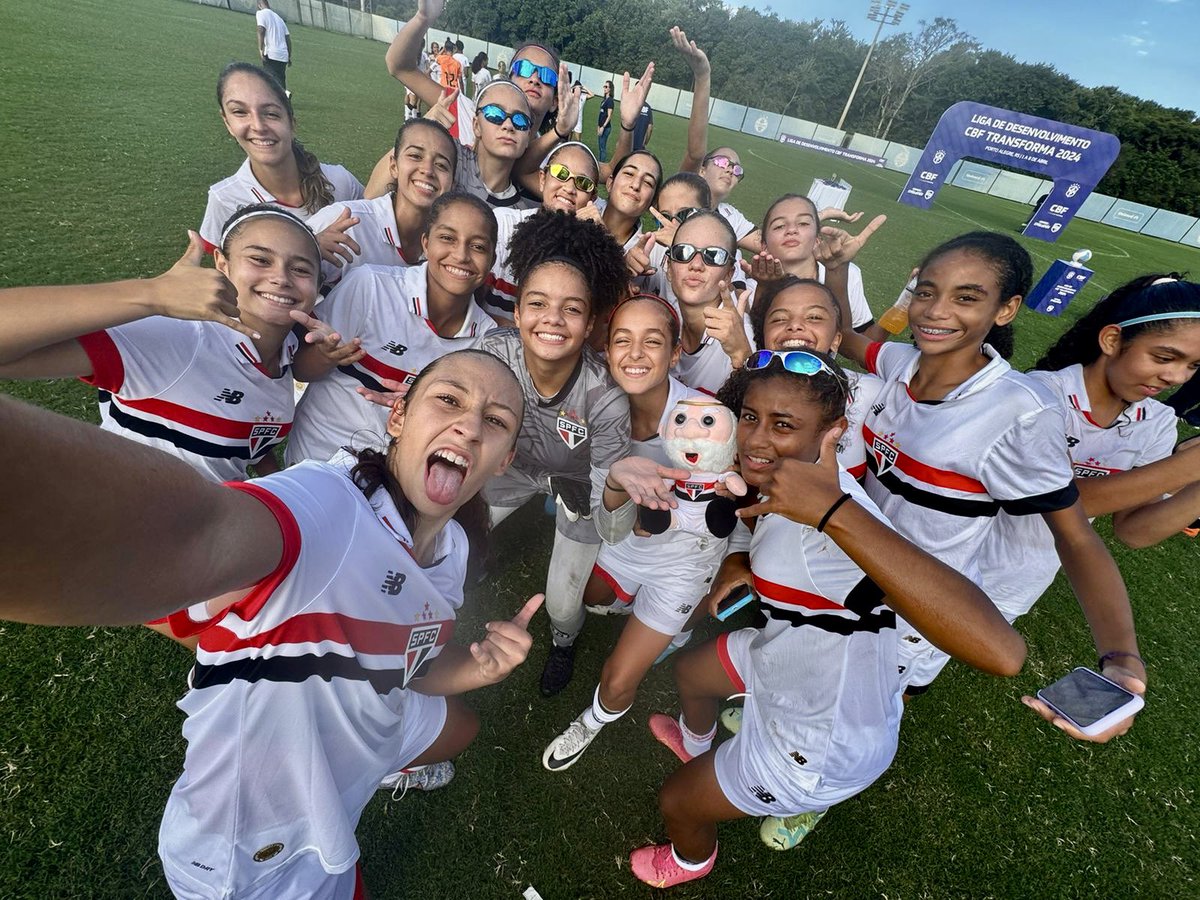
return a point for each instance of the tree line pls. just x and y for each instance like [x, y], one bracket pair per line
[805, 69]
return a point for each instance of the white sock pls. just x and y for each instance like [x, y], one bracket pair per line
[691, 866]
[596, 716]
[693, 743]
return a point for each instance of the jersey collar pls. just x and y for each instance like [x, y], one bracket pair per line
[246, 354]
[261, 194]
[996, 368]
[1077, 396]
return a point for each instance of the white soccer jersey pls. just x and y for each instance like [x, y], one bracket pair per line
[299, 701]
[467, 178]
[824, 688]
[242, 189]
[196, 390]
[602, 204]
[500, 289]
[852, 451]
[276, 33]
[740, 224]
[940, 471]
[384, 306]
[1018, 560]
[376, 234]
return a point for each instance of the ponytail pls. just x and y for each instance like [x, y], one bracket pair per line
[315, 188]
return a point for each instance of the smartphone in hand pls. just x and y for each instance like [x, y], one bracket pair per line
[1089, 701]
[734, 600]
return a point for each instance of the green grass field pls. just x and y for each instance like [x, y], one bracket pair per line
[111, 137]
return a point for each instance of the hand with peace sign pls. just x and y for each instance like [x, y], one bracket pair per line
[836, 247]
[507, 643]
[337, 247]
[801, 491]
[637, 260]
[667, 226]
[336, 351]
[443, 112]
[190, 291]
[726, 322]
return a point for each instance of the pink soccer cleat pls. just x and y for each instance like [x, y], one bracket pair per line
[656, 866]
[667, 731]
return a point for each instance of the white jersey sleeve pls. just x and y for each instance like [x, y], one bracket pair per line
[1027, 468]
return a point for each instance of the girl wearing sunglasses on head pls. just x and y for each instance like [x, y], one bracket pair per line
[823, 707]
[569, 274]
[390, 227]
[957, 437]
[567, 184]
[700, 267]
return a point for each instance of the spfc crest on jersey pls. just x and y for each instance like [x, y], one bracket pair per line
[884, 453]
[694, 489]
[572, 432]
[421, 642]
[264, 431]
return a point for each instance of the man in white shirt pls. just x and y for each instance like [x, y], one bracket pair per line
[274, 43]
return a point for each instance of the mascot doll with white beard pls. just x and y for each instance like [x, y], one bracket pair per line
[700, 436]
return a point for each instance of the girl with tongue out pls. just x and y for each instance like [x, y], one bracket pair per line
[569, 272]
[325, 661]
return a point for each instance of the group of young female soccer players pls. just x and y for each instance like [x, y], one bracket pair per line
[477, 328]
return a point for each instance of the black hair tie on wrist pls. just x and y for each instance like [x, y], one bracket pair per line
[837, 504]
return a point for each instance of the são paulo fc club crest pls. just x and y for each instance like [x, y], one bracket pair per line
[421, 642]
[884, 453]
[572, 433]
[693, 489]
[263, 433]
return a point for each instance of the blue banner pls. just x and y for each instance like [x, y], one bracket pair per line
[1074, 158]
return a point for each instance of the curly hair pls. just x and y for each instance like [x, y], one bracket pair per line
[557, 237]
[771, 290]
[828, 392]
[315, 188]
[1011, 263]
[1144, 295]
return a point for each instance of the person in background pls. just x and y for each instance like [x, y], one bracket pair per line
[480, 76]
[584, 93]
[274, 43]
[644, 127]
[604, 123]
[464, 65]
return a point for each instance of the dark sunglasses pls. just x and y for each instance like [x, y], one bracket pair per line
[801, 362]
[563, 174]
[497, 114]
[724, 162]
[712, 256]
[523, 68]
[684, 214]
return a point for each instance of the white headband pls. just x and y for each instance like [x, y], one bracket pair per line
[237, 220]
[586, 149]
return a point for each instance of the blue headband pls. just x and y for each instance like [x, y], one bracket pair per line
[1160, 317]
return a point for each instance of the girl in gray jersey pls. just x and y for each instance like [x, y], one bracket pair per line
[576, 422]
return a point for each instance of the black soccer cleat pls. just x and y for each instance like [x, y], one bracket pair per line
[560, 666]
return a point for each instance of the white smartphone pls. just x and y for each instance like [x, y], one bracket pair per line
[1091, 702]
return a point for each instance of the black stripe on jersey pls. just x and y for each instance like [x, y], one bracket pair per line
[178, 438]
[296, 669]
[955, 506]
[865, 601]
[362, 377]
[1063, 498]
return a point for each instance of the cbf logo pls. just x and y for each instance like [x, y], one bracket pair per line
[263, 433]
[421, 642]
[885, 454]
[1072, 190]
[573, 433]
[939, 156]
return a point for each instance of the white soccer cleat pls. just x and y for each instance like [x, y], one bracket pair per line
[418, 778]
[566, 749]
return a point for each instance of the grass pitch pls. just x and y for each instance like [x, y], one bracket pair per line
[111, 137]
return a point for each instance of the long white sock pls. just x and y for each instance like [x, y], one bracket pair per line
[688, 866]
[693, 743]
[570, 566]
[597, 716]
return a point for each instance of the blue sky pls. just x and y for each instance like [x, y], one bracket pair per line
[1149, 48]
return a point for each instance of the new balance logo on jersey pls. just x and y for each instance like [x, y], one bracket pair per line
[395, 348]
[762, 793]
[572, 433]
[885, 455]
[232, 397]
[878, 408]
[421, 643]
[1072, 441]
[797, 757]
[393, 584]
[683, 609]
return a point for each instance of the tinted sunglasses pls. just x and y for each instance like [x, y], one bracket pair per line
[801, 362]
[712, 256]
[684, 214]
[562, 173]
[497, 114]
[724, 162]
[523, 68]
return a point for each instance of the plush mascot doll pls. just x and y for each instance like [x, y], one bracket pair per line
[700, 436]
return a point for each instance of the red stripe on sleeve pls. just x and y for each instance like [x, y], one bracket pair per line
[873, 356]
[383, 370]
[727, 662]
[183, 625]
[201, 421]
[108, 370]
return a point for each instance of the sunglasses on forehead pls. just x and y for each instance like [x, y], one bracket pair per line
[724, 162]
[563, 174]
[800, 362]
[711, 256]
[523, 68]
[497, 114]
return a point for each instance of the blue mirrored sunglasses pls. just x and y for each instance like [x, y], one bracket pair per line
[523, 68]
[497, 114]
[799, 361]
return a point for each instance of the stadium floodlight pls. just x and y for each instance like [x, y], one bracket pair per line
[886, 13]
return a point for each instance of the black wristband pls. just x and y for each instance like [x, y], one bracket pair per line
[616, 490]
[623, 128]
[561, 137]
[837, 504]
[1113, 654]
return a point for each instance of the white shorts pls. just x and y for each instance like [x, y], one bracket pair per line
[920, 661]
[668, 578]
[753, 775]
[424, 719]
